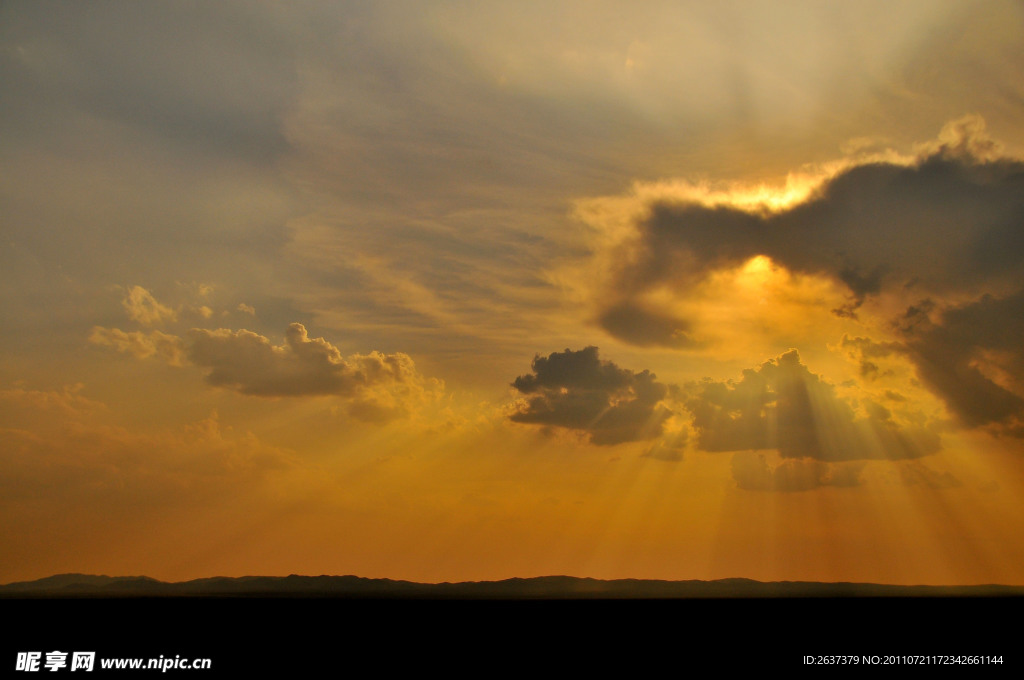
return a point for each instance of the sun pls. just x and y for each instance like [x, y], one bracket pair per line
[756, 271]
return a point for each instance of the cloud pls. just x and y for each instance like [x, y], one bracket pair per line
[946, 220]
[68, 402]
[248, 362]
[969, 354]
[379, 385]
[669, 447]
[966, 139]
[781, 405]
[646, 327]
[577, 390]
[143, 307]
[866, 353]
[972, 356]
[751, 472]
[141, 345]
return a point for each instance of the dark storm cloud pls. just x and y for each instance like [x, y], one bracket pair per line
[579, 391]
[972, 356]
[782, 405]
[948, 222]
[645, 327]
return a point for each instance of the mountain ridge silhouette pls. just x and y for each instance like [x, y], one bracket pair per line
[541, 587]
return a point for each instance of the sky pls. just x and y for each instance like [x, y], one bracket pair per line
[448, 291]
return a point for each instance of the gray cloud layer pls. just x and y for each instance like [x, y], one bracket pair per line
[579, 391]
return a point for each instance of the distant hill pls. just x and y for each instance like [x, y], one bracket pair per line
[545, 587]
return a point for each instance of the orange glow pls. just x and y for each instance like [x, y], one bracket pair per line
[275, 296]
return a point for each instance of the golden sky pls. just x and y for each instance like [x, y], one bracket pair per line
[444, 291]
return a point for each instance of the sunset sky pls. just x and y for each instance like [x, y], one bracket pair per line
[448, 291]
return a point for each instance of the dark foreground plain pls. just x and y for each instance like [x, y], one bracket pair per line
[297, 625]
